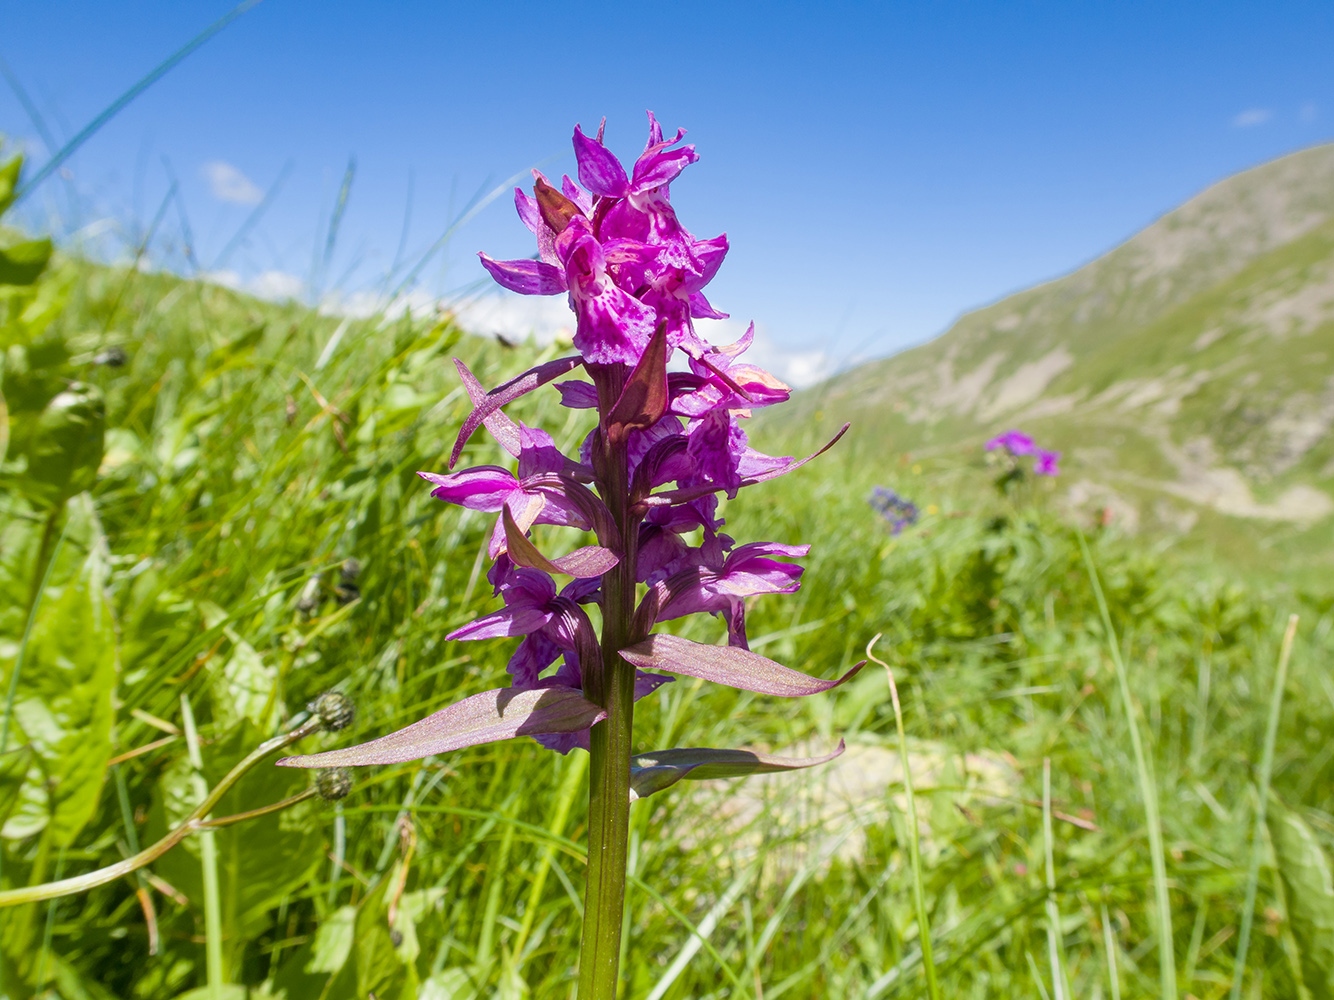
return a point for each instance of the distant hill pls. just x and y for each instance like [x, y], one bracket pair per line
[1188, 375]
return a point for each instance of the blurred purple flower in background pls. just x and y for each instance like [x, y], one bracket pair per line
[1017, 443]
[899, 511]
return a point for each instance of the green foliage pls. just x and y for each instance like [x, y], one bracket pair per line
[1308, 884]
[252, 449]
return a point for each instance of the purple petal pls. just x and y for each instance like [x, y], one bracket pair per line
[576, 194]
[527, 277]
[538, 453]
[505, 623]
[652, 772]
[578, 395]
[599, 170]
[1016, 442]
[484, 487]
[781, 468]
[728, 665]
[503, 395]
[656, 167]
[1046, 463]
[483, 718]
[701, 309]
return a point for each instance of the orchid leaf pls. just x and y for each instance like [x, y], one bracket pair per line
[502, 395]
[644, 398]
[486, 717]
[652, 772]
[730, 665]
[591, 560]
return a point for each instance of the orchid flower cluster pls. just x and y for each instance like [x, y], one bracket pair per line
[1017, 444]
[898, 511]
[645, 483]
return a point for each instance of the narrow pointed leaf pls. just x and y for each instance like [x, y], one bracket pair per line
[483, 718]
[591, 560]
[505, 394]
[730, 665]
[502, 428]
[652, 772]
[644, 398]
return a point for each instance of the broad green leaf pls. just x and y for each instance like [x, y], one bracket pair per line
[377, 969]
[1309, 886]
[13, 769]
[23, 263]
[63, 446]
[63, 705]
[9, 181]
[449, 984]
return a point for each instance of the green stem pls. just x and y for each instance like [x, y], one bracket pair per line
[192, 823]
[208, 860]
[611, 745]
[914, 834]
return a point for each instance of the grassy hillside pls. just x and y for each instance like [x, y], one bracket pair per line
[200, 570]
[1188, 375]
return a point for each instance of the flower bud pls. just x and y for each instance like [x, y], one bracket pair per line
[335, 710]
[333, 783]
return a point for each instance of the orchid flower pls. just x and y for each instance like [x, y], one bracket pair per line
[646, 479]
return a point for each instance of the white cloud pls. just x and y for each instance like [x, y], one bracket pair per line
[1310, 111]
[1252, 117]
[798, 367]
[273, 285]
[229, 184]
[517, 317]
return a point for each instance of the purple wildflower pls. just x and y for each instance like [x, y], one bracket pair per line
[1017, 443]
[645, 484]
[1046, 463]
[899, 511]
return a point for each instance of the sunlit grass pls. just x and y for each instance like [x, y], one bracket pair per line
[238, 470]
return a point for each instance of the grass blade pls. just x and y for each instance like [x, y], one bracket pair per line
[1257, 841]
[1148, 791]
[914, 841]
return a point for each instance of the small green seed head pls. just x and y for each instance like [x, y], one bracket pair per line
[335, 710]
[333, 783]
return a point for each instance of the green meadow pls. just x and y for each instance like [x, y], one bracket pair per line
[210, 515]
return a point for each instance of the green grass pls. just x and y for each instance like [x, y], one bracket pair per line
[236, 471]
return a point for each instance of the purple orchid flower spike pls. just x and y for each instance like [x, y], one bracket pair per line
[642, 494]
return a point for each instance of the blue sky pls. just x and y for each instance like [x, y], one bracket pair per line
[879, 168]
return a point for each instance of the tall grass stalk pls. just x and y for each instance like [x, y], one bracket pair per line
[208, 860]
[1060, 978]
[914, 838]
[1262, 803]
[1148, 790]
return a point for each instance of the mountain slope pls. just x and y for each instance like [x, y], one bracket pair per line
[1188, 374]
